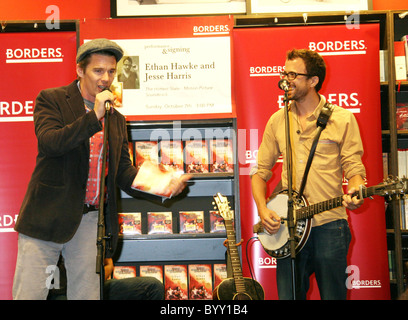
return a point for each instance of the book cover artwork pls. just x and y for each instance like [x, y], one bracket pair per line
[175, 282]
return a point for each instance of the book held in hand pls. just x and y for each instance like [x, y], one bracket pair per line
[153, 179]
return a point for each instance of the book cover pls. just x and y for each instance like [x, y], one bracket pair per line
[154, 180]
[200, 282]
[391, 264]
[131, 152]
[383, 66]
[404, 39]
[117, 90]
[171, 155]
[123, 272]
[130, 223]
[404, 212]
[216, 222]
[191, 221]
[402, 110]
[385, 165]
[400, 61]
[221, 156]
[146, 151]
[175, 282]
[402, 162]
[220, 273]
[152, 271]
[196, 156]
[402, 116]
[159, 222]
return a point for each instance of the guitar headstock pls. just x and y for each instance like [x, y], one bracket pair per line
[223, 206]
[391, 187]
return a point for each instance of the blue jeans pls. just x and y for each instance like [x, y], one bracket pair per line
[325, 254]
[37, 260]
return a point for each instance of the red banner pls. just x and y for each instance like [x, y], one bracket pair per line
[31, 61]
[352, 82]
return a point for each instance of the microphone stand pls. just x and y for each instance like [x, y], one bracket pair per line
[101, 238]
[290, 218]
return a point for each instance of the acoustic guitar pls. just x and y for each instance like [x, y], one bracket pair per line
[238, 287]
[277, 245]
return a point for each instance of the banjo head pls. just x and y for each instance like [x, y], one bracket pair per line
[277, 245]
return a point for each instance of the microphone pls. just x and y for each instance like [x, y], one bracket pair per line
[283, 84]
[108, 104]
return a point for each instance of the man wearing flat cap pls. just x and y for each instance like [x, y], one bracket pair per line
[59, 212]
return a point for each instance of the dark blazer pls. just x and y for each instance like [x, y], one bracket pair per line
[53, 205]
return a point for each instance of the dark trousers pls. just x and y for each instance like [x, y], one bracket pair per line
[325, 254]
[139, 288]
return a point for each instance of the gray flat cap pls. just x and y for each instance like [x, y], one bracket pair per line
[98, 45]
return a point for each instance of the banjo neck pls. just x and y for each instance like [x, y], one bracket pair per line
[310, 210]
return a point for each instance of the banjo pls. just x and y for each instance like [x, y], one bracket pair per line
[277, 245]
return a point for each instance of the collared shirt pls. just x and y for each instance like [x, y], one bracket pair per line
[95, 167]
[95, 160]
[339, 151]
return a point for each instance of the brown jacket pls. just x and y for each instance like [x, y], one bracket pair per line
[53, 205]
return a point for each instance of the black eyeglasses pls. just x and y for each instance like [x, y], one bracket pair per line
[292, 75]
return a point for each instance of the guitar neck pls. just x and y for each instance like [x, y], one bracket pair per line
[234, 255]
[309, 211]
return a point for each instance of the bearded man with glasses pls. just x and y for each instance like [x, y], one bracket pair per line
[339, 152]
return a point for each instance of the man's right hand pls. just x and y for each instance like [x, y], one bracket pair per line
[100, 100]
[270, 220]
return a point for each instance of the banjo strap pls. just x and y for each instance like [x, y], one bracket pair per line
[321, 123]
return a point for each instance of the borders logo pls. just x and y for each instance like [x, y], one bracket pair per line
[211, 30]
[7, 222]
[339, 47]
[34, 55]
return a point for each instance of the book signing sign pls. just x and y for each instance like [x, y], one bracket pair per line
[352, 82]
[172, 68]
[32, 62]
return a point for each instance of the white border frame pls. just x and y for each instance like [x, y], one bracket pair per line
[286, 6]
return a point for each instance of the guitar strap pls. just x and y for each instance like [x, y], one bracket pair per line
[321, 123]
